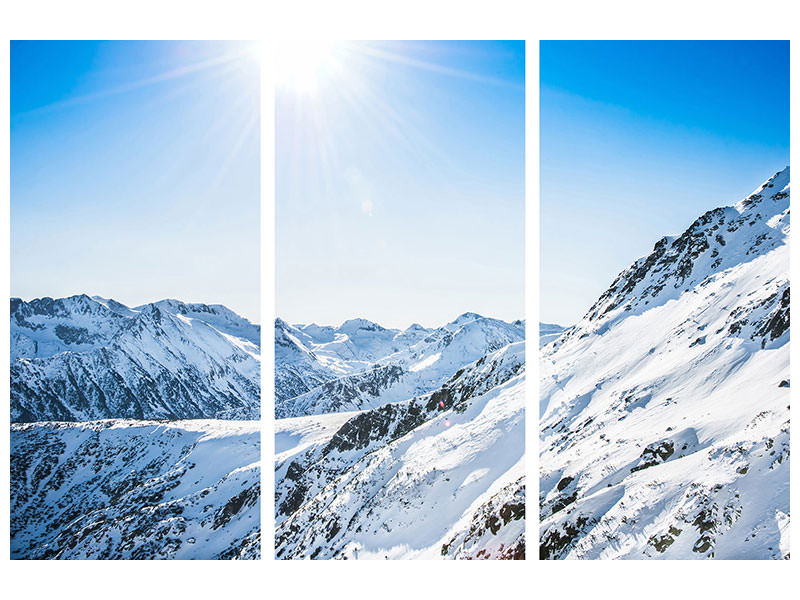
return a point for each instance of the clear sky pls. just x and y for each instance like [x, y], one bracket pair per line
[400, 181]
[135, 171]
[638, 139]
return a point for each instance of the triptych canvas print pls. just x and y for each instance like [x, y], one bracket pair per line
[403, 367]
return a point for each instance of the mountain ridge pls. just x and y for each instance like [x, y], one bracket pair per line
[348, 372]
[664, 428]
[81, 358]
[674, 259]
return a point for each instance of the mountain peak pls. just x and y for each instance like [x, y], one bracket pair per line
[114, 306]
[466, 318]
[78, 304]
[353, 325]
[167, 304]
[150, 312]
[717, 240]
[776, 188]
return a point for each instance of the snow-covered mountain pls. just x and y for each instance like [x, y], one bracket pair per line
[92, 476]
[407, 444]
[665, 410]
[135, 489]
[362, 365]
[82, 358]
[306, 356]
[440, 475]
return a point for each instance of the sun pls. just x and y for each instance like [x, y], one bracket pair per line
[306, 66]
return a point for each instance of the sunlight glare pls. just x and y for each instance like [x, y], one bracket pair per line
[305, 66]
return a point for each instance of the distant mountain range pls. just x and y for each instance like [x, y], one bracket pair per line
[665, 410]
[363, 365]
[82, 358]
[400, 444]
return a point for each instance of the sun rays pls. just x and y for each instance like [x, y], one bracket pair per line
[326, 87]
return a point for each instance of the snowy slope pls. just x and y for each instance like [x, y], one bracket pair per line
[549, 332]
[439, 475]
[81, 358]
[219, 317]
[135, 489]
[414, 362]
[665, 411]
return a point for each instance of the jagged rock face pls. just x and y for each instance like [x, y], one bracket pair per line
[394, 480]
[81, 358]
[413, 362]
[130, 490]
[665, 411]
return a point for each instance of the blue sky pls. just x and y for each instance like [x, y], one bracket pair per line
[637, 139]
[400, 181]
[135, 171]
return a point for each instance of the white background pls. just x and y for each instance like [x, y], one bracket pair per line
[412, 19]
